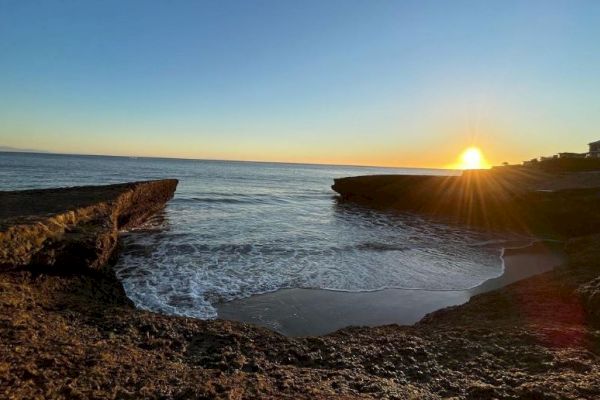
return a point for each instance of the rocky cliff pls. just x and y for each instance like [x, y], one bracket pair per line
[73, 229]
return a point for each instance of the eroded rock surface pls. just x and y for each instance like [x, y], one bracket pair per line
[56, 230]
[75, 336]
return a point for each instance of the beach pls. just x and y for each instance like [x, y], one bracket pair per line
[303, 312]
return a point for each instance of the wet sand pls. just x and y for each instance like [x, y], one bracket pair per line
[301, 312]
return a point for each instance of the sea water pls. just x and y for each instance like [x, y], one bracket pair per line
[237, 229]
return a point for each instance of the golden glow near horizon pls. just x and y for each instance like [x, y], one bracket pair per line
[472, 158]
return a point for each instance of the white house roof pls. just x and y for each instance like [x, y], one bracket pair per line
[596, 142]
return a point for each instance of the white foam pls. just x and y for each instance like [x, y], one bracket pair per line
[187, 274]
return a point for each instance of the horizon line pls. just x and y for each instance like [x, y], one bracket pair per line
[46, 152]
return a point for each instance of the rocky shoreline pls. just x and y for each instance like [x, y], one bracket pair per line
[69, 331]
[563, 204]
[73, 229]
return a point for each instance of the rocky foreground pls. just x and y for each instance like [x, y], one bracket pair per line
[68, 331]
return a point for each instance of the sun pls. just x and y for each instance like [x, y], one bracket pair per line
[472, 158]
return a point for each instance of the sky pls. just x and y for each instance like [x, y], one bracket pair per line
[369, 82]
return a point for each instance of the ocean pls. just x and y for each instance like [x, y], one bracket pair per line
[238, 229]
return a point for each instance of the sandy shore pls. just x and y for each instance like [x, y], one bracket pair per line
[302, 312]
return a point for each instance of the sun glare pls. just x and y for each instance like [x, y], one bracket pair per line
[472, 158]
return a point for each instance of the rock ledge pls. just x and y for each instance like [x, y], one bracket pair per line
[73, 229]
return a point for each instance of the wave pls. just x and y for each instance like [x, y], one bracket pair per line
[224, 200]
[235, 199]
[181, 275]
[188, 246]
[375, 246]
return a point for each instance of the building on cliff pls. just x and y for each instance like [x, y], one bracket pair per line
[594, 152]
[594, 149]
[567, 161]
[572, 155]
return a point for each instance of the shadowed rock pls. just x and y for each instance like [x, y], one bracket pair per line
[564, 204]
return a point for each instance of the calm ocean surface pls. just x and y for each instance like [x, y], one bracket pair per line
[236, 229]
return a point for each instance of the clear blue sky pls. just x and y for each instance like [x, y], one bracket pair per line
[360, 82]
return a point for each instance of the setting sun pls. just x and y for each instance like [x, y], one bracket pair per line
[472, 158]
